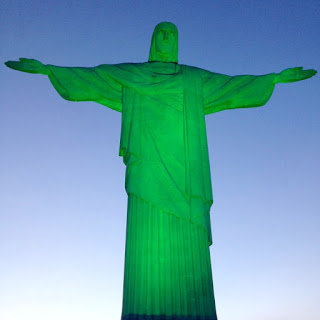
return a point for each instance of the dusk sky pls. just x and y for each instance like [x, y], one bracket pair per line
[62, 197]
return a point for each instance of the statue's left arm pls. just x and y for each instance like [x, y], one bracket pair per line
[223, 92]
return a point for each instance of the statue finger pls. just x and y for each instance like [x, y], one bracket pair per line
[8, 63]
[307, 75]
[13, 64]
[312, 71]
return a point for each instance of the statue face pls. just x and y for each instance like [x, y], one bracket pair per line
[165, 39]
[164, 43]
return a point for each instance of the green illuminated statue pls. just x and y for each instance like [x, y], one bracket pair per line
[164, 146]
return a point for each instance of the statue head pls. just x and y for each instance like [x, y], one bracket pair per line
[164, 43]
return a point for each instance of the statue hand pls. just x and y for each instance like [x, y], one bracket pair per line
[294, 74]
[28, 65]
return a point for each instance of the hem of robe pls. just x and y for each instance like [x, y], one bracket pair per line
[164, 317]
[167, 267]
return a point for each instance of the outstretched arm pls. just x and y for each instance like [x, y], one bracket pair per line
[28, 65]
[77, 83]
[293, 74]
[222, 92]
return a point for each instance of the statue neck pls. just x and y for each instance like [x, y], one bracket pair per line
[163, 57]
[163, 67]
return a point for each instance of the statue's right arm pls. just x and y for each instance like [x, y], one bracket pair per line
[28, 65]
[77, 83]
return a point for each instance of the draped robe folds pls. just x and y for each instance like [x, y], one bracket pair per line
[163, 136]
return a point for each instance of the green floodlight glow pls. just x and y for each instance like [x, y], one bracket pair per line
[164, 146]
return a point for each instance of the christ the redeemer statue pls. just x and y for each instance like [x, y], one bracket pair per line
[164, 147]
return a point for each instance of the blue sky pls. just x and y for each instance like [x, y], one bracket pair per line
[63, 204]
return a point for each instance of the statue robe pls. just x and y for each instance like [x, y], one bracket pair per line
[164, 146]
